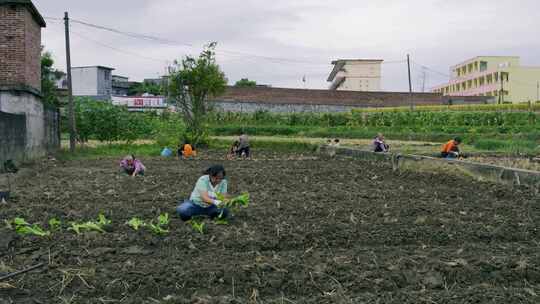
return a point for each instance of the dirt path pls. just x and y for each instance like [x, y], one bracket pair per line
[318, 231]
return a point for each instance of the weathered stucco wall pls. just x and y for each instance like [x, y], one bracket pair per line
[251, 99]
[40, 128]
[250, 107]
[12, 135]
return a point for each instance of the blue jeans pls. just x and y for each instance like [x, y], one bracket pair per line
[189, 209]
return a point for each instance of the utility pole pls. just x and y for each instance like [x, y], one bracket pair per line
[538, 91]
[70, 89]
[501, 94]
[410, 84]
[423, 79]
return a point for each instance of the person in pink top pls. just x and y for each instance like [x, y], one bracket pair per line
[132, 166]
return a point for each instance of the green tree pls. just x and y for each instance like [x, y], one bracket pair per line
[139, 88]
[191, 84]
[244, 82]
[49, 76]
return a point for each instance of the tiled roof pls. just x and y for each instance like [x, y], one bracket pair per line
[33, 10]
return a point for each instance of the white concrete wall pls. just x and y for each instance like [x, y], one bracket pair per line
[25, 103]
[104, 82]
[85, 81]
[361, 76]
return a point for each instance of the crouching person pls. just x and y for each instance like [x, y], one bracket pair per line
[132, 166]
[203, 200]
[451, 149]
[379, 145]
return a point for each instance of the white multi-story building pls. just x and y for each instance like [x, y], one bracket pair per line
[92, 81]
[356, 75]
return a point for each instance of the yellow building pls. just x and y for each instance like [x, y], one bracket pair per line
[491, 75]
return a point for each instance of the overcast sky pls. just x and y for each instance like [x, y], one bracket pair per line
[278, 42]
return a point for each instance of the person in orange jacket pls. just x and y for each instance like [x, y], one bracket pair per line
[186, 151]
[451, 148]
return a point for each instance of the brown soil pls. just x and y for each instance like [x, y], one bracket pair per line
[512, 162]
[318, 231]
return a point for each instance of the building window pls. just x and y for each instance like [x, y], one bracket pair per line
[483, 66]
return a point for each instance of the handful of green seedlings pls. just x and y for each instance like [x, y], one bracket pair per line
[100, 226]
[158, 228]
[21, 226]
[234, 203]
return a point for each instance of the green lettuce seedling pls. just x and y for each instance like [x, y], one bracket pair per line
[159, 227]
[34, 230]
[98, 226]
[163, 219]
[55, 224]
[21, 226]
[103, 221]
[88, 226]
[136, 223]
[197, 225]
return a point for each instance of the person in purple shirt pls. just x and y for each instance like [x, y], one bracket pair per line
[132, 166]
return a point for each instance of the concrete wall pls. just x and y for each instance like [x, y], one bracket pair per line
[250, 107]
[41, 124]
[361, 76]
[304, 100]
[104, 82]
[478, 171]
[85, 81]
[522, 84]
[12, 136]
[95, 82]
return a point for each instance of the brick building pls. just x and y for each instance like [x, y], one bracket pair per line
[20, 44]
[29, 129]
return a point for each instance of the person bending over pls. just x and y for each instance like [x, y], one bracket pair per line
[451, 148]
[243, 146]
[132, 166]
[379, 145]
[203, 200]
[186, 151]
[233, 150]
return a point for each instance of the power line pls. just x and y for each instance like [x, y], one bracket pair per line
[132, 34]
[52, 18]
[116, 49]
[224, 51]
[430, 69]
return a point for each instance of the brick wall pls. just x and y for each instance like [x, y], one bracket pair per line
[33, 52]
[302, 100]
[20, 43]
